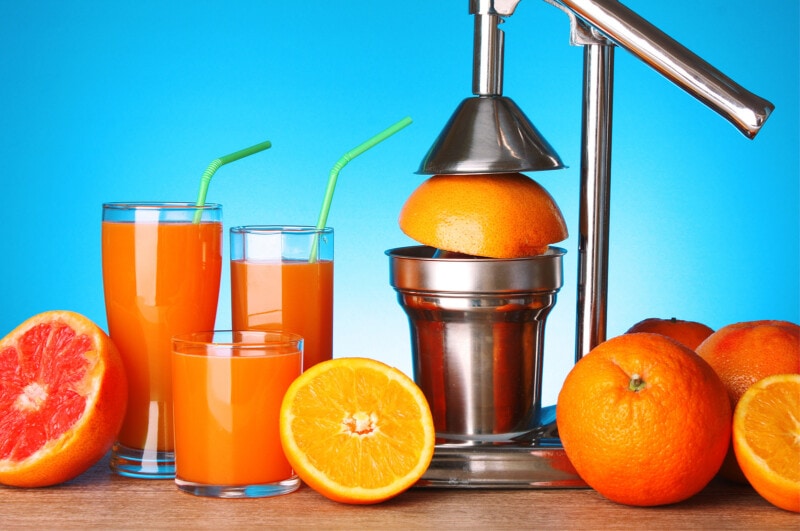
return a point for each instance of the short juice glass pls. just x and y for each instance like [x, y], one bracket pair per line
[227, 392]
[282, 278]
[161, 275]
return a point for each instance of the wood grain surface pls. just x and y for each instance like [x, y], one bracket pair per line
[101, 500]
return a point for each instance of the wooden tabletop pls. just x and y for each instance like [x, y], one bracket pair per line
[99, 499]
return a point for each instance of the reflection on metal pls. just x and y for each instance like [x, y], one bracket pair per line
[477, 338]
[489, 134]
[536, 463]
[671, 59]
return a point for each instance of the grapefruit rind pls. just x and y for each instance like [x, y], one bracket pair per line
[87, 439]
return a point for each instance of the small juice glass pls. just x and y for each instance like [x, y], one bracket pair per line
[161, 275]
[282, 278]
[227, 392]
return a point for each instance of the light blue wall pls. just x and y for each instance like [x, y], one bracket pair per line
[109, 101]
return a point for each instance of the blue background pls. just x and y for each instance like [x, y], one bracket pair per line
[116, 101]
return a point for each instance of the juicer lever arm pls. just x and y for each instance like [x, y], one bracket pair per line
[627, 29]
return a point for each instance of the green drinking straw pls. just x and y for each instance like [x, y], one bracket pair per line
[341, 163]
[215, 165]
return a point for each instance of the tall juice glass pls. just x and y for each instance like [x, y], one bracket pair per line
[161, 275]
[282, 278]
[227, 392]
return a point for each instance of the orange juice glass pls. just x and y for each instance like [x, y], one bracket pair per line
[227, 392]
[282, 278]
[161, 275]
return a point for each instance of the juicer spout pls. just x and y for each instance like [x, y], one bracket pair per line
[628, 30]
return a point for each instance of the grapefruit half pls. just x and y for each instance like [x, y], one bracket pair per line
[63, 394]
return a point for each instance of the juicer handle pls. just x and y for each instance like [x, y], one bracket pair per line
[627, 29]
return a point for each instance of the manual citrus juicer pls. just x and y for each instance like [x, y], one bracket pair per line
[477, 324]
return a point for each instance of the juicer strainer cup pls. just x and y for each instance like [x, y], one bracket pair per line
[477, 336]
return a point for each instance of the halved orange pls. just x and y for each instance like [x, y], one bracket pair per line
[63, 394]
[506, 215]
[356, 430]
[745, 352]
[766, 439]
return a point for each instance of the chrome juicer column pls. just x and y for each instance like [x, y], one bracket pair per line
[477, 336]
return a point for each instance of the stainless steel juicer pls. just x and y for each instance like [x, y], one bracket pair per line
[477, 325]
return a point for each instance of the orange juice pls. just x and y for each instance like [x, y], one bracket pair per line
[226, 417]
[295, 296]
[160, 279]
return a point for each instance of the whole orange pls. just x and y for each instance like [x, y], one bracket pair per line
[644, 420]
[744, 353]
[507, 215]
[690, 333]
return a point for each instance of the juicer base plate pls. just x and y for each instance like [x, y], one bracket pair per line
[538, 462]
[501, 466]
